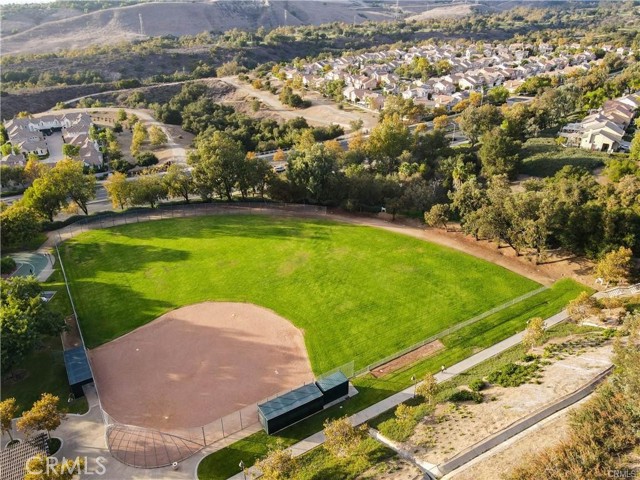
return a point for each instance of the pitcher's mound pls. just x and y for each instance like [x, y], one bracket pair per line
[199, 363]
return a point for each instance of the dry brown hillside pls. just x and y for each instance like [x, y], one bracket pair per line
[174, 18]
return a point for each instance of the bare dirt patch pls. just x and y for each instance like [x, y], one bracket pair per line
[411, 357]
[199, 363]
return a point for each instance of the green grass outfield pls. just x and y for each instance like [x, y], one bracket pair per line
[465, 342]
[358, 293]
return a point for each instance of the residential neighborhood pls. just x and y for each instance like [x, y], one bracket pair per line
[370, 77]
[44, 136]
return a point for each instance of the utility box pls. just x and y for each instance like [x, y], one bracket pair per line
[290, 408]
[334, 387]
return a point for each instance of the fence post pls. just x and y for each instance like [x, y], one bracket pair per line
[240, 412]
[222, 425]
[204, 438]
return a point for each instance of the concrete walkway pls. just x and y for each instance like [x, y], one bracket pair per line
[393, 401]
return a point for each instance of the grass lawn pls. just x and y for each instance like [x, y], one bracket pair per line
[44, 367]
[358, 293]
[459, 345]
[542, 157]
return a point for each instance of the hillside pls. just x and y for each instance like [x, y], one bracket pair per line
[129, 23]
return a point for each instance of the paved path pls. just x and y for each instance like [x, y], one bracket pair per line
[388, 403]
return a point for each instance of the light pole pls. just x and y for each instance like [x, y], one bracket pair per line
[415, 384]
[244, 472]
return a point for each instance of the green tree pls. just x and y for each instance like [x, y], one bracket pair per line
[122, 115]
[634, 152]
[157, 137]
[80, 188]
[316, 172]
[498, 95]
[441, 122]
[147, 189]
[44, 415]
[179, 182]
[386, 143]
[342, 439]
[438, 216]
[8, 411]
[499, 153]
[583, 307]
[476, 121]
[46, 196]
[428, 388]
[19, 224]
[615, 266]
[70, 151]
[25, 318]
[218, 163]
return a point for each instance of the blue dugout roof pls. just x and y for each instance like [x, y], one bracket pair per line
[290, 401]
[77, 365]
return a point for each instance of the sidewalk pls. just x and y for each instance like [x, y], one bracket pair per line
[388, 403]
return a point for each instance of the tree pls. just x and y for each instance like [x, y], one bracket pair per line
[615, 266]
[139, 136]
[634, 151]
[147, 189]
[316, 172]
[534, 333]
[44, 415]
[122, 115]
[428, 389]
[19, 224]
[70, 151]
[146, 159]
[40, 468]
[583, 307]
[438, 215]
[498, 95]
[342, 439]
[157, 136]
[46, 196]
[8, 411]
[475, 121]
[355, 125]
[279, 464]
[25, 319]
[118, 189]
[80, 188]
[499, 153]
[217, 164]
[179, 182]
[34, 168]
[279, 156]
[441, 122]
[386, 143]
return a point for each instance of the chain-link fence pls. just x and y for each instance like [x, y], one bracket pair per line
[150, 448]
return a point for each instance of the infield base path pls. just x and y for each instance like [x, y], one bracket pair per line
[199, 363]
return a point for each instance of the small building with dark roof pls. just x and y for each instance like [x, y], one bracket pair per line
[290, 408]
[333, 387]
[78, 370]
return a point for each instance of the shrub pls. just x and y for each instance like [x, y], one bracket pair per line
[514, 374]
[477, 385]
[402, 426]
[7, 265]
[466, 396]
[146, 159]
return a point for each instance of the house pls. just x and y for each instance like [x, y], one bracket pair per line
[602, 140]
[13, 160]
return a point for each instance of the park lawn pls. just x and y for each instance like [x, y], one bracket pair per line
[358, 293]
[543, 157]
[45, 371]
[459, 345]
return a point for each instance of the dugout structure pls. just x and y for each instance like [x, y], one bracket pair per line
[290, 408]
[333, 387]
[78, 370]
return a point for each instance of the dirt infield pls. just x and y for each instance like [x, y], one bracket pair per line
[407, 359]
[199, 363]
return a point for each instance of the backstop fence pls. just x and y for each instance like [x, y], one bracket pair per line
[150, 448]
